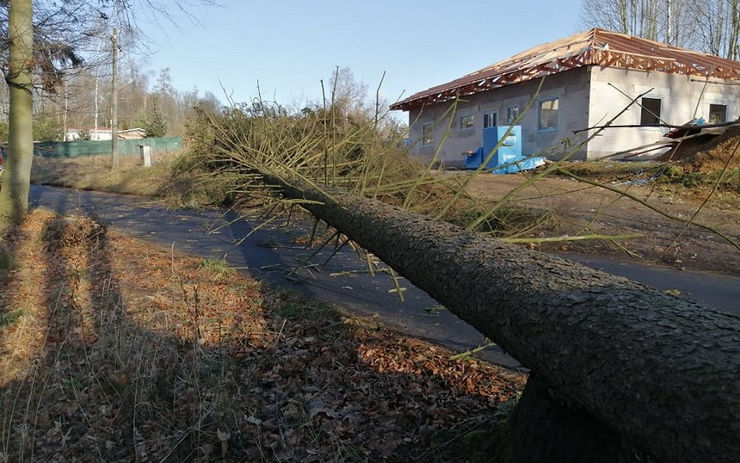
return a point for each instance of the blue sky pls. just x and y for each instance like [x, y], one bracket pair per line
[289, 46]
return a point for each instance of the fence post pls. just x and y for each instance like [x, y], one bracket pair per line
[145, 152]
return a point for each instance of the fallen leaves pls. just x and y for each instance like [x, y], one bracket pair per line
[128, 350]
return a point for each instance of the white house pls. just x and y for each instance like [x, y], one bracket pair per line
[104, 134]
[95, 134]
[590, 78]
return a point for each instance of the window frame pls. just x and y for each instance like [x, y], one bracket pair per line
[424, 127]
[709, 115]
[511, 109]
[556, 127]
[647, 112]
[486, 117]
[471, 118]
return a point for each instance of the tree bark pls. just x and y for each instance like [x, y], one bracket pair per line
[662, 372]
[17, 176]
[541, 429]
[734, 26]
[114, 103]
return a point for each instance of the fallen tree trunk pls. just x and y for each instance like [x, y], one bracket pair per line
[543, 429]
[660, 371]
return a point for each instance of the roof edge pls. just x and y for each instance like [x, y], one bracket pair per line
[593, 47]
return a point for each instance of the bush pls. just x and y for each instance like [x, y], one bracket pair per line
[676, 175]
[47, 128]
[153, 121]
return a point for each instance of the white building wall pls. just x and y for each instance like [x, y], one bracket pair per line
[571, 88]
[679, 95]
[96, 135]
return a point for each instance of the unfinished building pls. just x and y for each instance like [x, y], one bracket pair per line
[590, 78]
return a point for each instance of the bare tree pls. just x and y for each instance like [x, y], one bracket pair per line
[634, 17]
[36, 45]
[718, 27]
[712, 26]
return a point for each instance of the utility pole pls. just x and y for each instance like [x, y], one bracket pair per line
[114, 103]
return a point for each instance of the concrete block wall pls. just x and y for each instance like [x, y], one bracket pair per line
[587, 97]
[679, 95]
[570, 87]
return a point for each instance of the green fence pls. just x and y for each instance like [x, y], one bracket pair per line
[73, 149]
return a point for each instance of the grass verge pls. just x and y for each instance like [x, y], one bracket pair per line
[95, 173]
[167, 179]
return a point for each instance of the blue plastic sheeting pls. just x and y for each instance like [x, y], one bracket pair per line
[474, 159]
[508, 158]
[520, 164]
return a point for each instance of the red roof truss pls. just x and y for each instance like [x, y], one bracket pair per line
[596, 47]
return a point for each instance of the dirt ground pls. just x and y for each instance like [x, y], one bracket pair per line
[577, 208]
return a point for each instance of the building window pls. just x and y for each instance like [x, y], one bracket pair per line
[549, 114]
[512, 112]
[426, 133]
[650, 114]
[466, 122]
[717, 113]
[489, 119]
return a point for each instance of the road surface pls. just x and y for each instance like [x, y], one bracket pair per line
[270, 254]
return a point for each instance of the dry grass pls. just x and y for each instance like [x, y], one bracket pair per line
[114, 349]
[169, 178]
[615, 171]
[95, 173]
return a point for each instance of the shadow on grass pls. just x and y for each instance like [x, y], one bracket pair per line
[126, 353]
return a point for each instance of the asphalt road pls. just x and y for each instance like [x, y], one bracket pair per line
[271, 255]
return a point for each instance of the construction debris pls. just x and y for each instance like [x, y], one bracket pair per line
[710, 152]
[682, 141]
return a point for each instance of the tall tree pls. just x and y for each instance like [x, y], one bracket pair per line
[63, 31]
[17, 178]
[135, 88]
[166, 102]
[30, 48]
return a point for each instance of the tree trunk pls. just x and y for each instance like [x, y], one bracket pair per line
[114, 103]
[17, 176]
[662, 372]
[734, 26]
[542, 429]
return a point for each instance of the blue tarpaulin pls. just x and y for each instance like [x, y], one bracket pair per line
[508, 157]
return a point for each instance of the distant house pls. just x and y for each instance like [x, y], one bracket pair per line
[104, 134]
[132, 134]
[94, 134]
[591, 77]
